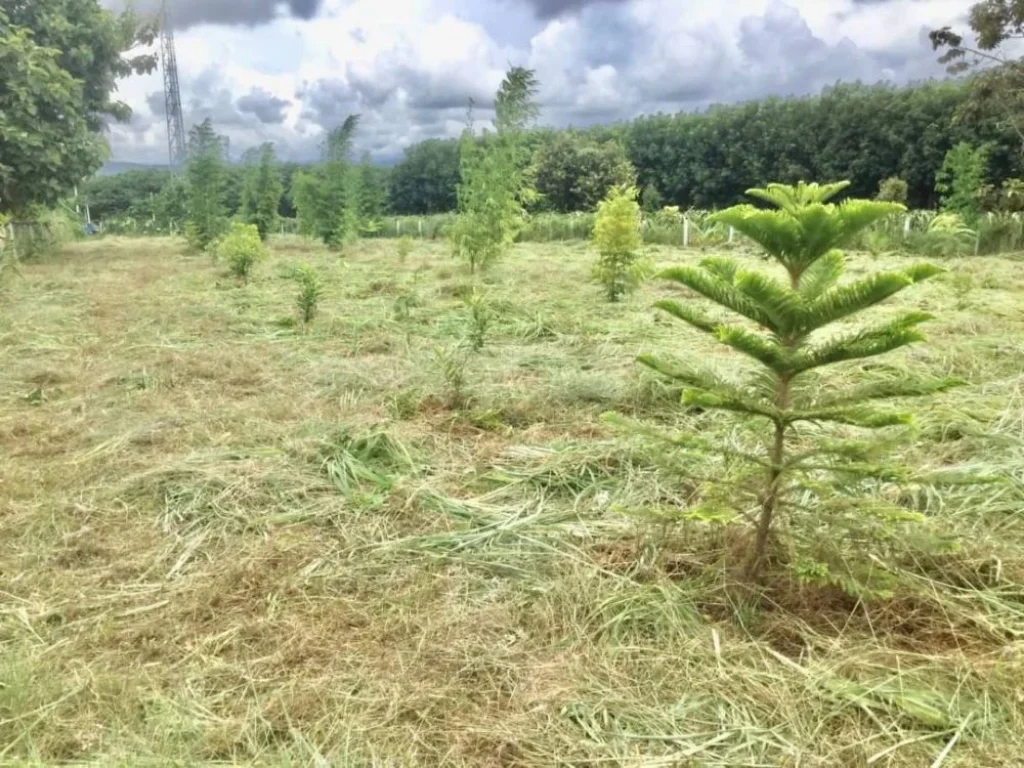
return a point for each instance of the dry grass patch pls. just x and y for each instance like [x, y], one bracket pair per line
[227, 538]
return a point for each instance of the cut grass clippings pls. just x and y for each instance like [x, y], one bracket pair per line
[229, 538]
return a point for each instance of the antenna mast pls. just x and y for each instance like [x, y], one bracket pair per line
[172, 92]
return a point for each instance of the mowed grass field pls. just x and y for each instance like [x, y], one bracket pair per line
[227, 539]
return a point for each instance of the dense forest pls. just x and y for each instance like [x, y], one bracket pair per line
[863, 133]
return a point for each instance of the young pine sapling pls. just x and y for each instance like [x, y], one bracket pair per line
[481, 315]
[311, 290]
[799, 474]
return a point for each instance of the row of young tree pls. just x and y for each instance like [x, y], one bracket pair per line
[335, 201]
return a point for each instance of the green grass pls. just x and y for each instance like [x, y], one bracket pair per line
[228, 538]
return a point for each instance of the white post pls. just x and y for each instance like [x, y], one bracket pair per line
[732, 234]
[686, 232]
[398, 226]
[420, 222]
[906, 225]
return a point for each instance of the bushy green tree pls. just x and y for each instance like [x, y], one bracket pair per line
[617, 236]
[242, 249]
[425, 180]
[994, 55]
[59, 64]
[574, 172]
[261, 196]
[788, 331]
[960, 180]
[116, 194]
[204, 176]
[892, 190]
[495, 181]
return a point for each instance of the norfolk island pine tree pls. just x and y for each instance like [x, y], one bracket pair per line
[802, 234]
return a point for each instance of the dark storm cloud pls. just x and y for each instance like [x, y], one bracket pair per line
[768, 43]
[327, 103]
[188, 13]
[550, 9]
[157, 103]
[269, 109]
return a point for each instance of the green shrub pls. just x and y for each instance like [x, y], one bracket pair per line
[241, 248]
[960, 181]
[617, 236]
[495, 183]
[947, 236]
[1001, 232]
[893, 190]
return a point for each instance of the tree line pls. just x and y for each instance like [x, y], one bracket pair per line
[863, 133]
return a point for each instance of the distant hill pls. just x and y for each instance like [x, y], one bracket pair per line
[115, 167]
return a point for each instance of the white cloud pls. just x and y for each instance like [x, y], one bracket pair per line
[409, 66]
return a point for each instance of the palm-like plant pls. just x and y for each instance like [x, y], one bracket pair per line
[784, 337]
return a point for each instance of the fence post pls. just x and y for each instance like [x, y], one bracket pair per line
[398, 227]
[732, 234]
[420, 222]
[906, 225]
[686, 231]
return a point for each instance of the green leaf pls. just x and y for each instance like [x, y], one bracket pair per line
[792, 198]
[717, 290]
[866, 343]
[822, 274]
[892, 387]
[721, 267]
[856, 416]
[720, 392]
[843, 301]
[756, 346]
[687, 314]
[781, 303]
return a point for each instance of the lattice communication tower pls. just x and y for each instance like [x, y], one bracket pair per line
[172, 91]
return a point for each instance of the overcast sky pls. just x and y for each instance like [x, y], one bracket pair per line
[286, 70]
